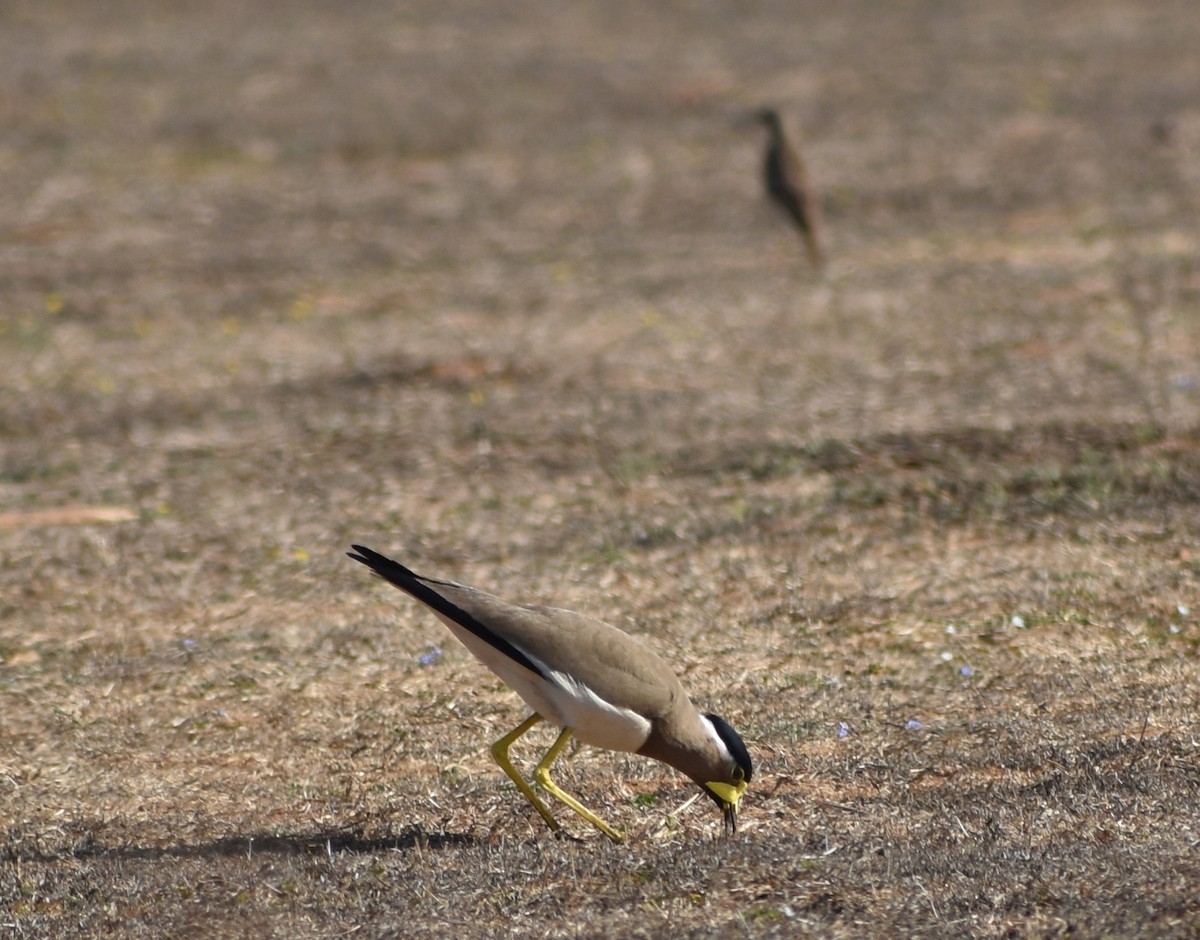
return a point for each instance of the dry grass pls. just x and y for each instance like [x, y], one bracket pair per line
[492, 288]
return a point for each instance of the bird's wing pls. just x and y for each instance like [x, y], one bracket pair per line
[440, 596]
[612, 664]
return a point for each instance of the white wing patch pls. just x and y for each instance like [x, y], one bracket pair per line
[596, 721]
[563, 700]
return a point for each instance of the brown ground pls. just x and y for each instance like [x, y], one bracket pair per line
[492, 287]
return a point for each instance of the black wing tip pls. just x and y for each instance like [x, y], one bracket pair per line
[366, 556]
[382, 565]
[412, 583]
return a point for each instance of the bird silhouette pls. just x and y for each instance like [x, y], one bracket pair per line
[789, 185]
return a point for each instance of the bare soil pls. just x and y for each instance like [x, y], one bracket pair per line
[493, 288]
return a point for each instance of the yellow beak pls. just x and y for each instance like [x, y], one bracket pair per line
[730, 794]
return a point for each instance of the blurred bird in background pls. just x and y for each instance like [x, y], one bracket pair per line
[788, 184]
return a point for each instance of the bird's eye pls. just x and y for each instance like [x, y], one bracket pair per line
[738, 775]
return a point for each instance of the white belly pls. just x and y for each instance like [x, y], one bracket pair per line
[562, 701]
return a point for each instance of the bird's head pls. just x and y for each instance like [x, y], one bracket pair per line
[727, 792]
[768, 117]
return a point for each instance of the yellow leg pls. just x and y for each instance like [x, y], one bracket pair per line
[542, 775]
[500, 755]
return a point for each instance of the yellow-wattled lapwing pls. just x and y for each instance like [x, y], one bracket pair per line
[788, 183]
[594, 681]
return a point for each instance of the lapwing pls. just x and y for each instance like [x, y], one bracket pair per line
[594, 681]
[788, 184]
